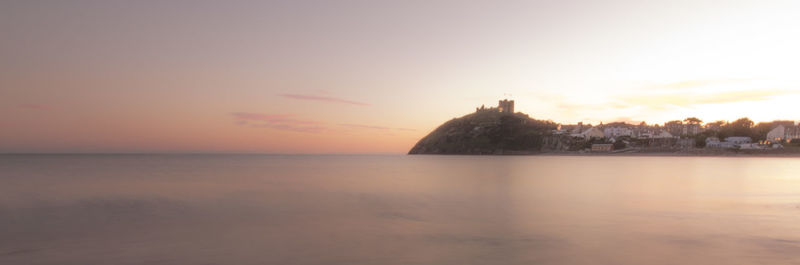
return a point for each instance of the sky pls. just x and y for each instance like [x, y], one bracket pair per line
[375, 76]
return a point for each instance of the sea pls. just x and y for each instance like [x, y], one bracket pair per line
[398, 209]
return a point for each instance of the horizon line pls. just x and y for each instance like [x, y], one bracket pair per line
[191, 153]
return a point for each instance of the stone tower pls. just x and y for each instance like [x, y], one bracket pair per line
[505, 106]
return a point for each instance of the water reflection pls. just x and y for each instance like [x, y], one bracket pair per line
[397, 210]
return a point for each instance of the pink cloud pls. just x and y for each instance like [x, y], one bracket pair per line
[283, 122]
[289, 127]
[34, 107]
[323, 98]
[270, 118]
[362, 126]
[259, 116]
[365, 126]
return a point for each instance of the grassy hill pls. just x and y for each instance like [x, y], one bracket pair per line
[486, 132]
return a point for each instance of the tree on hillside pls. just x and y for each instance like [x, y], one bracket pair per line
[693, 120]
[672, 123]
[715, 126]
[740, 127]
[674, 127]
[743, 123]
[700, 138]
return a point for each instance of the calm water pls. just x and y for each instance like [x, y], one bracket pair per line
[173, 209]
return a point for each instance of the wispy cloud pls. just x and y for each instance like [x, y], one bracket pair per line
[270, 118]
[659, 102]
[361, 126]
[284, 122]
[34, 107]
[324, 99]
[683, 99]
[294, 128]
[694, 84]
[373, 127]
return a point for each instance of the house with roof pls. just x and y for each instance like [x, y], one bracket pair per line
[663, 135]
[739, 139]
[714, 142]
[582, 131]
[593, 133]
[617, 131]
[784, 133]
[732, 142]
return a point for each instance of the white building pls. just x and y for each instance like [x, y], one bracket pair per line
[783, 133]
[713, 142]
[609, 132]
[663, 134]
[742, 142]
[739, 139]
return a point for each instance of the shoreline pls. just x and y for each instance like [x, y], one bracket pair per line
[660, 154]
[791, 152]
[674, 154]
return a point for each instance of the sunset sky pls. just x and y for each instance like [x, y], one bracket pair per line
[375, 76]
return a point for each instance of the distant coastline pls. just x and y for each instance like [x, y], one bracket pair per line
[502, 131]
[789, 152]
[680, 153]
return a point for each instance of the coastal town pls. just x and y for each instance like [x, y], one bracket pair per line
[689, 135]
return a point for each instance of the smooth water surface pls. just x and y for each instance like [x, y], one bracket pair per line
[251, 209]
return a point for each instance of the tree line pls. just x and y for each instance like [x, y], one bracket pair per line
[722, 129]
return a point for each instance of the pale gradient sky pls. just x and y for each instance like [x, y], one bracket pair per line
[375, 76]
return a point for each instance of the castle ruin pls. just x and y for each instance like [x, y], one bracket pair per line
[503, 106]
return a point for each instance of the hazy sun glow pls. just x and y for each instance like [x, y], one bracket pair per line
[374, 76]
